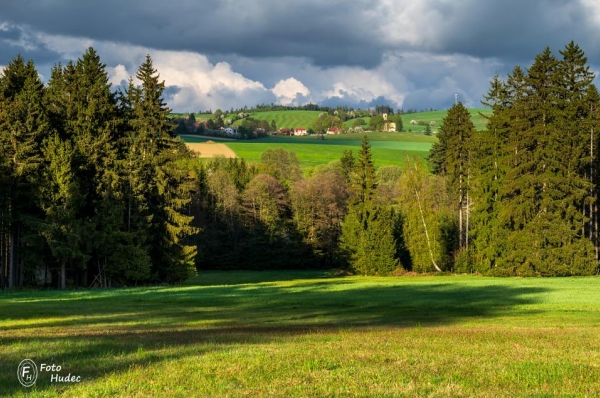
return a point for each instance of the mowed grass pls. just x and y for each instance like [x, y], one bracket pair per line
[478, 120]
[386, 148]
[310, 334]
[288, 119]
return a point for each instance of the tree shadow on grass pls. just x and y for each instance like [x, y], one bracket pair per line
[80, 329]
[241, 277]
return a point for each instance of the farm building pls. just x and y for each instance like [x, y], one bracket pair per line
[300, 131]
[334, 130]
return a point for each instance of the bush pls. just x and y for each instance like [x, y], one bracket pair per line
[463, 263]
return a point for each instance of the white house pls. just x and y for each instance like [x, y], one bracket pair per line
[231, 131]
[300, 131]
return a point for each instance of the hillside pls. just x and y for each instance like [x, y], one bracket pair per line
[387, 148]
[438, 117]
[287, 119]
[301, 118]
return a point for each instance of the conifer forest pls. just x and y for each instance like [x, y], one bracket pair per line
[96, 189]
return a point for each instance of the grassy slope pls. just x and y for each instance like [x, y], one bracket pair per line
[301, 334]
[387, 148]
[289, 119]
[438, 117]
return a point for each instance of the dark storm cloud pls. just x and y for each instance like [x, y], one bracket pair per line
[414, 54]
[515, 30]
[15, 40]
[328, 33]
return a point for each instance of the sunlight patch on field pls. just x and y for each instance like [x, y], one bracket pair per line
[211, 150]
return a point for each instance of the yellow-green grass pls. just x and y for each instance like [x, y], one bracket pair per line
[309, 334]
[386, 148]
[288, 119]
[438, 116]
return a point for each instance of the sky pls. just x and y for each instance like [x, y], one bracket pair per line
[411, 54]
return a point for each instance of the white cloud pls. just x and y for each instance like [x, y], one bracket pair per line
[412, 23]
[408, 78]
[117, 74]
[204, 85]
[287, 91]
[200, 84]
[593, 9]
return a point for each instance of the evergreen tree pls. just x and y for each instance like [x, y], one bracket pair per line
[451, 156]
[159, 180]
[367, 239]
[23, 125]
[591, 126]
[544, 168]
[487, 177]
[61, 199]
[364, 179]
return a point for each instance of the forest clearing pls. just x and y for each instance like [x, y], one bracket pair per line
[309, 334]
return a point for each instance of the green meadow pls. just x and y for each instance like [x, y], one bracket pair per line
[298, 118]
[288, 119]
[438, 116]
[310, 334]
[387, 148]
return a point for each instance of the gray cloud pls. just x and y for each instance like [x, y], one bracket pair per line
[325, 32]
[516, 30]
[234, 53]
[16, 40]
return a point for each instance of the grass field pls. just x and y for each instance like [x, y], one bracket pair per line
[438, 116]
[387, 148]
[291, 119]
[288, 119]
[309, 334]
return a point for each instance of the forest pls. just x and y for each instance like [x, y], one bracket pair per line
[97, 190]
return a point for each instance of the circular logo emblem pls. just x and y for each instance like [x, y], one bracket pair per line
[27, 372]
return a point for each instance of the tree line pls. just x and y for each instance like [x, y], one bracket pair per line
[94, 188]
[526, 190]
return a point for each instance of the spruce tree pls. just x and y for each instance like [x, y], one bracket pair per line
[488, 172]
[61, 200]
[23, 125]
[367, 239]
[544, 190]
[159, 183]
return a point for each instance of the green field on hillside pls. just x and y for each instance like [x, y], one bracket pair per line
[438, 116]
[309, 334]
[300, 118]
[287, 119]
[386, 148]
